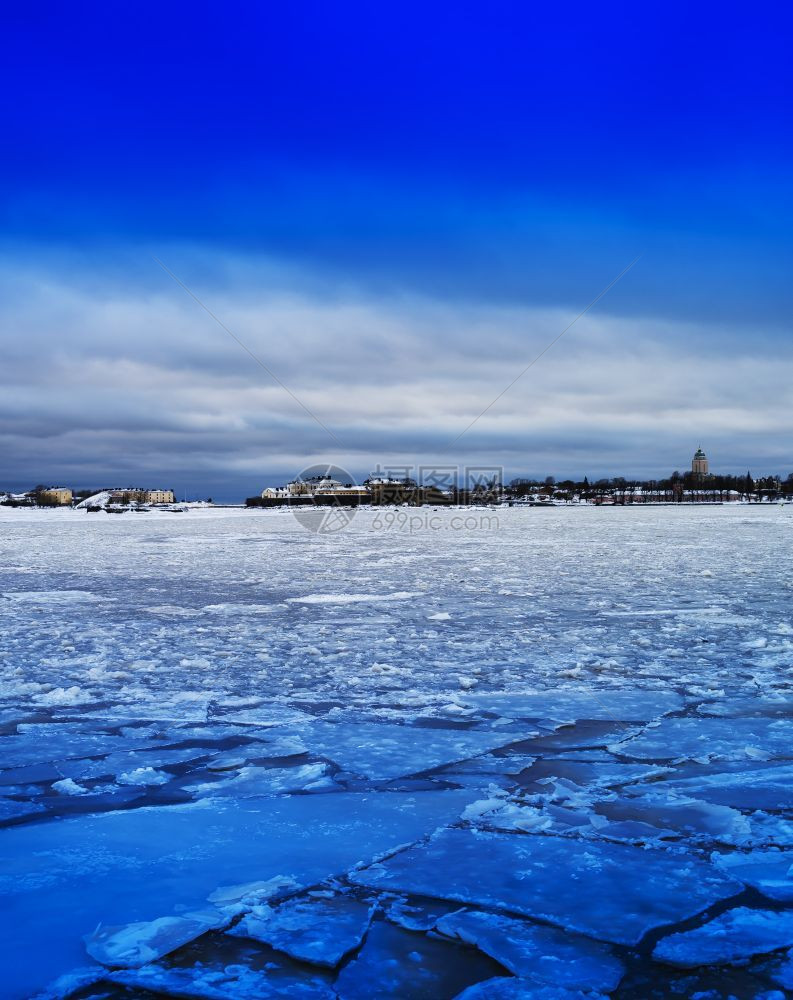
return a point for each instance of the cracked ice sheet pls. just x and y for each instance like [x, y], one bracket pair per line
[396, 963]
[611, 892]
[257, 781]
[59, 880]
[769, 788]
[56, 598]
[316, 930]
[46, 742]
[133, 945]
[694, 738]
[533, 950]
[229, 982]
[502, 988]
[571, 704]
[770, 872]
[735, 935]
[383, 752]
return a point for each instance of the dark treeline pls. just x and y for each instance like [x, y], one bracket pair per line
[766, 487]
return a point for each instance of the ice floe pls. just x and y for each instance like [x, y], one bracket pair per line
[612, 892]
[692, 738]
[399, 595]
[624, 705]
[319, 931]
[115, 868]
[132, 945]
[503, 988]
[770, 871]
[227, 982]
[381, 751]
[735, 935]
[256, 781]
[536, 951]
[395, 963]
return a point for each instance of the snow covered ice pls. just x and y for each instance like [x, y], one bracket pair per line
[319, 931]
[240, 759]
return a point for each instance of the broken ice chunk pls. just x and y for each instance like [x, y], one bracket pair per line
[396, 963]
[70, 983]
[770, 872]
[253, 893]
[613, 892]
[769, 788]
[625, 705]
[686, 816]
[735, 935]
[415, 917]
[393, 751]
[319, 931]
[779, 970]
[12, 809]
[502, 988]
[131, 945]
[543, 953]
[253, 781]
[144, 776]
[66, 786]
[690, 738]
[216, 982]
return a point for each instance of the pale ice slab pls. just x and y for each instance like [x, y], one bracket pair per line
[233, 609]
[253, 893]
[780, 970]
[503, 988]
[261, 715]
[688, 817]
[254, 781]
[315, 930]
[14, 809]
[216, 982]
[395, 963]
[54, 742]
[692, 738]
[399, 595]
[612, 892]
[128, 762]
[417, 916]
[769, 788]
[41, 598]
[770, 872]
[132, 945]
[780, 706]
[624, 705]
[384, 751]
[59, 880]
[735, 935]
[533, 950]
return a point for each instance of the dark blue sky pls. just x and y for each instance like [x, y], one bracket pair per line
[502, 154]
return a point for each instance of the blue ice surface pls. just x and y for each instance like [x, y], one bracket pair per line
[60, 879]
[612, 892]
[213, 641]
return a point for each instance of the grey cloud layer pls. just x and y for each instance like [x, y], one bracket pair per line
[107, 384]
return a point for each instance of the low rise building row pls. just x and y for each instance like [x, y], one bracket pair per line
[63, 496]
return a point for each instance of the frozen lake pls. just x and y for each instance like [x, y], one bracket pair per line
[551, 755]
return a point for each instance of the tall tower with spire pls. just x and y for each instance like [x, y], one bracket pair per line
[699, 465]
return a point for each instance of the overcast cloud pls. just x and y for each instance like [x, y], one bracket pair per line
[107, 382]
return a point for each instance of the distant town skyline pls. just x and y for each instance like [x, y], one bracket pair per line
[698, 472]
[396, 213]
